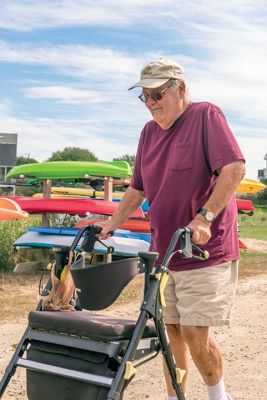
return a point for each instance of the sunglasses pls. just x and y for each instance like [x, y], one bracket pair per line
[156, 96]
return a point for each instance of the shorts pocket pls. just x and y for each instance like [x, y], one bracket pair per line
[182, 156]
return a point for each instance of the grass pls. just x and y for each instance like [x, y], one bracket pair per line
[9, 232]
[254, 227]
[252, 263]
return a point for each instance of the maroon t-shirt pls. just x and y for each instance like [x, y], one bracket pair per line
[176, 169]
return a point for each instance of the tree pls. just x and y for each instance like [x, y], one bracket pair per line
[127, 157]
[262, 195]
[21, 160]
[72, 154]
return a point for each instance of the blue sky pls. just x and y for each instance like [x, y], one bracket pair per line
[65, 67]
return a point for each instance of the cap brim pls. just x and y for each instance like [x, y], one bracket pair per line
[150, 83]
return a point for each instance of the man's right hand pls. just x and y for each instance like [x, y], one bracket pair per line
[108, 226]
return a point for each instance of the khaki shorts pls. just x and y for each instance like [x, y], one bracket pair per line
[201, 297]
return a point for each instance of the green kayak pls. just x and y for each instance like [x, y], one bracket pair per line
[72, 170]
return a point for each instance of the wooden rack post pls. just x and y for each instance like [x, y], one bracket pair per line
[47, 183]
[108, 188]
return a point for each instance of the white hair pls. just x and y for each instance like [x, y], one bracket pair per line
[176, 83]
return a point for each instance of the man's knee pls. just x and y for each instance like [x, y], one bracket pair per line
[174, 331]
[196, 337]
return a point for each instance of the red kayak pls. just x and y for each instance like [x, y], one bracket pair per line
[133, 225]
[143, 225]
[244, 205]
[66, 206]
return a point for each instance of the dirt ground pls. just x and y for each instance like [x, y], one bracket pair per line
[243, 343]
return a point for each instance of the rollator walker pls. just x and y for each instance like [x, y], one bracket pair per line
[84, 355]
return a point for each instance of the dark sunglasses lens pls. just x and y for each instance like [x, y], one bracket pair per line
[156, 96]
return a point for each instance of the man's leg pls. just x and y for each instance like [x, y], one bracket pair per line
[181, 355]
[205, 353]
[203, 298]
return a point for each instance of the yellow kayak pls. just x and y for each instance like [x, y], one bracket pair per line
[250, 186]
[246, 186]
[59, 192]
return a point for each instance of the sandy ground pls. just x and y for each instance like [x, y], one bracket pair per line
[244, 346]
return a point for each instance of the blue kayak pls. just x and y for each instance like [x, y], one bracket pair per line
[73, 232]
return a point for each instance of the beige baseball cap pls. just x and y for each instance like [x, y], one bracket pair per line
[158, 72]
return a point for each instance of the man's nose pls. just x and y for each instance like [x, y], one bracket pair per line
[150, 101]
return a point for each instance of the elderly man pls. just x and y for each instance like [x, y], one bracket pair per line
[188, 166]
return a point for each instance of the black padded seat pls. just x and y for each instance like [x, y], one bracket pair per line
[93, 326]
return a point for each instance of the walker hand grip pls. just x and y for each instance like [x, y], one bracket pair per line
[184, 237]
[89, 233]
[90, 238]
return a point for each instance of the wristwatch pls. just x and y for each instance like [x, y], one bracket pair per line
[208, 215]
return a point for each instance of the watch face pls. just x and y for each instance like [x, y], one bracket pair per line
[209, 216]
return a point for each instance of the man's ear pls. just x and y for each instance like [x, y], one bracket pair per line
[182, 87]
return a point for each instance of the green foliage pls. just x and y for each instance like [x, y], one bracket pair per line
[28, 190]
[9, 232]
[254, 227]
[262, 195]
[127, 157]
[25, 160]
[73, 154]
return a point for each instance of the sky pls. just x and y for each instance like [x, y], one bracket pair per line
[66, 66]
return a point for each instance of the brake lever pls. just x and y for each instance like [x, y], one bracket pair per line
[187, 246]
[90, 239]
[110, 249]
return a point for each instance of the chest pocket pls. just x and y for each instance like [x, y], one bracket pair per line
[182, 156]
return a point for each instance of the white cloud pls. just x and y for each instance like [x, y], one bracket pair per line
[27, 15]
[39, 137]
[86, 62]
[63, 94]
[254, 151]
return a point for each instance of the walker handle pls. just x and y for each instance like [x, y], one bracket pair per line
[184, 235]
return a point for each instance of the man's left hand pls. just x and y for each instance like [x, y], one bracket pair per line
[201, 230]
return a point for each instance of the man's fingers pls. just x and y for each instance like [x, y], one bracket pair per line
[196, 237]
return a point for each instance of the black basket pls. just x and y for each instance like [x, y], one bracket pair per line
[44, 386]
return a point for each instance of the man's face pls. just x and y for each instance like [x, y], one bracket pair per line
[166, 107]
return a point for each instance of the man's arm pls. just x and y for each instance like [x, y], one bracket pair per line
[131, 200]
[229, 178]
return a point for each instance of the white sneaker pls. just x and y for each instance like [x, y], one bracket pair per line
[229, 397]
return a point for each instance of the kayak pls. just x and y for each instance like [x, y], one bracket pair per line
[71, 193]
[122, 246]
[83, 192]
[71, 170]
[133, 225]
[67, 206]
[9, 209]
[54, 230]
[244, 205]
[250, 186]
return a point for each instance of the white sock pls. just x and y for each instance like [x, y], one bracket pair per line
[217, 392]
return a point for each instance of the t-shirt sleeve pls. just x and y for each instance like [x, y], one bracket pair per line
[219, 142]
[137, 181]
